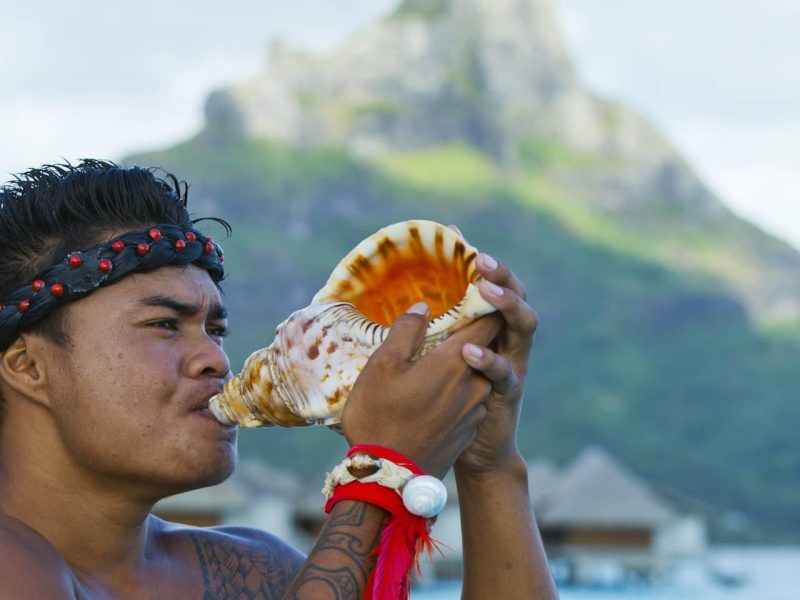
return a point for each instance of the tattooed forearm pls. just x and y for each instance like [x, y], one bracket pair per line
[331, 584]
[339, 564]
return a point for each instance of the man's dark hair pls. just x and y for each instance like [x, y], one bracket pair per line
[49, 212]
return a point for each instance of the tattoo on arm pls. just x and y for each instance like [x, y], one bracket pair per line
[339, 564]
[244, 571]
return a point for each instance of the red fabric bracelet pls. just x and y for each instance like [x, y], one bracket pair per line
[374, 493]
[403, 539]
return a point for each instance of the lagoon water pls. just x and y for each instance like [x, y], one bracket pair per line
[770, 573]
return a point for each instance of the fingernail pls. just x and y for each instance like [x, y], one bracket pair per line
[420, 308]
[488, 262]
[494, 290]
[474, 351]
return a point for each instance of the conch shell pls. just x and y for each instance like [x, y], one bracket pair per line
[307, 373]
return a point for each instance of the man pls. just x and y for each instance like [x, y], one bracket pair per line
[111, 333]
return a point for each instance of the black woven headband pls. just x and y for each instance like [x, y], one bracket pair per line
[83, 272]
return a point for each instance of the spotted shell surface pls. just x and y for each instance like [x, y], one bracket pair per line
[305, 376]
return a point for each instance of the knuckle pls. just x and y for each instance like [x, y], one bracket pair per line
[516, 387]
[505, 367]
[530, 320]
[383, 358]
[505, 384]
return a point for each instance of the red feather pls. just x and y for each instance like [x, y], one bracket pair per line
[402, 542]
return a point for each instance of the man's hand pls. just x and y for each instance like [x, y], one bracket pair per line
[506, 366]
[429, 408]
[503, 552]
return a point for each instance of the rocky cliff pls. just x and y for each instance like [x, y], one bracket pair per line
[489, 73]
[495, 75]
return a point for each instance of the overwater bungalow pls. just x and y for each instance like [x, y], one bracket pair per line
[603, 524]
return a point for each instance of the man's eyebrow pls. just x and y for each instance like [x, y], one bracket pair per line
[217, 311]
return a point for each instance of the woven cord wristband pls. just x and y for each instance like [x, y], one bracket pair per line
[403, 540]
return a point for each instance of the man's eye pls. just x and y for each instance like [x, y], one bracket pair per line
[220, 332]
[169, 324]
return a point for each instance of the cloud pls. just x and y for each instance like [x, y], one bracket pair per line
[717, 77]
[754, 166]
[103, 79]
[684, 57]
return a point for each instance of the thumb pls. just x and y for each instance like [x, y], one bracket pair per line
[407, 332]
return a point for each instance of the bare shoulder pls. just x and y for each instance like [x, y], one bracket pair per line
[241, 562]
[30, 566]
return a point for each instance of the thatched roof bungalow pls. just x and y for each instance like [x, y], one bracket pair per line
[600, 520]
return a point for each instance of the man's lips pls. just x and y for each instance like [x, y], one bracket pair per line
[201, 406]
[207, 415]
[201, 398]
[206, 412]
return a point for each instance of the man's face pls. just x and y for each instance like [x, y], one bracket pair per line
[130, 394]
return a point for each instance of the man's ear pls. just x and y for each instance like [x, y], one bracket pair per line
[22, 368]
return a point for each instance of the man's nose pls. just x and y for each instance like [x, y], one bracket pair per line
[208, 359]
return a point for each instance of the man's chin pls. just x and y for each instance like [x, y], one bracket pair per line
[216, 469]
[203, 471]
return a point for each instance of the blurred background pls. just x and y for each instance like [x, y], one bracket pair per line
[635, 163]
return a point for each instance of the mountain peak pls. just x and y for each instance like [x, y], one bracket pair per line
[422, 8]
[525, 30]
[494, 76]
[487, 66]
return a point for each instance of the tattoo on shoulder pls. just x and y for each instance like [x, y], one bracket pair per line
[238, 570]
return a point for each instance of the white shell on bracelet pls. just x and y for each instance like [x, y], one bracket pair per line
[424, 496]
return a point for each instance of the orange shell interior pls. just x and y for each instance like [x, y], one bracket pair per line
[397, 278]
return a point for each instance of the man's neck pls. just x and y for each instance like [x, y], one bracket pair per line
[98, 528]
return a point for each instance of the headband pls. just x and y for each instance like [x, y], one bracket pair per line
[82, 272]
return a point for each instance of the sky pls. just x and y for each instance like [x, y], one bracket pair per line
[717, 77]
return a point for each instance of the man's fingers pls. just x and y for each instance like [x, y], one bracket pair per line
[407, 332]
[494, 367]
[498, 272]
[520, 317]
